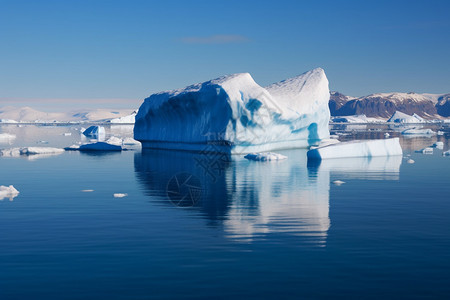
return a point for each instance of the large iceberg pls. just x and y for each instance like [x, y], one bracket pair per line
[234, 114]
[366, 148]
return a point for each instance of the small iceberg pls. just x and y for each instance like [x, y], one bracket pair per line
[446, 153]
[410, 161]
[414, 131]
[438, 145]
[427, 150]
[265, 156]
[8, 192]
[120, 195]
[366, 148]
[95, 132]
[99, 146]
[338, 182]
[40, 150]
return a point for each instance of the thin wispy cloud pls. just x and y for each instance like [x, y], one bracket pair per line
[215, 39]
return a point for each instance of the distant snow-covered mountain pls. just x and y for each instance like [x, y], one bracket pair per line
[10, 114]
[383, 105]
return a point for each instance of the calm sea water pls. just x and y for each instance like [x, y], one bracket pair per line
[197, 226]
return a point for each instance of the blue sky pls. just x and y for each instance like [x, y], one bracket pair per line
[80, 51]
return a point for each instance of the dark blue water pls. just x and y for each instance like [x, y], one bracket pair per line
[234, 229]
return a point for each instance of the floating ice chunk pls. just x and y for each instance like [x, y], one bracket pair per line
[8, 121]
[410, 161]
[87, 191]
[446, 153]
[414, 131]
[120, 195]
[99, 146]
[115, 141]
[438, 145]
[96, 132]
[130, 141]
[73, 147]
[8, 192]
[386, 135]
[40, 150]
[366, 148]
[237, 114]
[338, 182]
[440, 133]
[427, 150]
[266, 156]
[13, 152]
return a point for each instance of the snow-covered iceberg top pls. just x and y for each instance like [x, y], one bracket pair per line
[237, 115]
[265, 156]
[367, 148]
[399, 117]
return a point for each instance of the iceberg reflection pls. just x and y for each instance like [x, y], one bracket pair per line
[247, 199]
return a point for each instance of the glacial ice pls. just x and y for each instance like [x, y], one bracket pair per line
[95, 132]
[265, 156]
[234, 114]
[438, 145]
[9, 192]
[366, 148]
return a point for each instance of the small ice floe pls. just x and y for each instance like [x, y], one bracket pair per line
[120, 195]
[130, 141]
[386, 135]
[67, 133]
[99, 146]
[40, 150]
[414, 131]
[8, 192]
[265, 156]
[338, 182]
[446, 153]
[31, 151]
[87, 191]
[427, 150]
[95, 132]
[440, 132]
[115, 141]
[410, 161]
[438, 145]
[6, 137]
[366, 148]
[72, 148]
